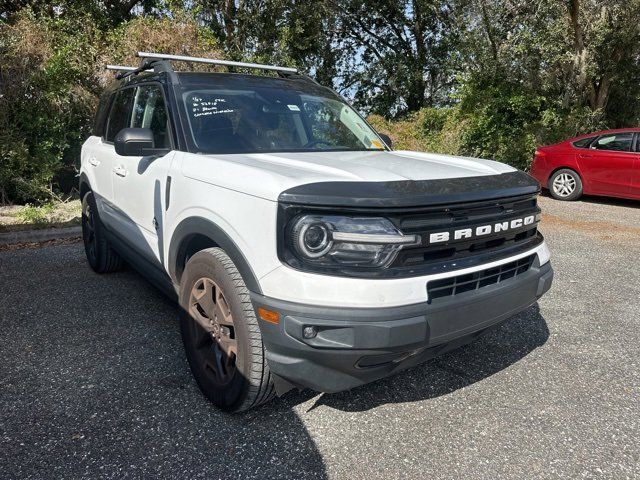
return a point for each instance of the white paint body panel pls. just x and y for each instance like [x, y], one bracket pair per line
[285, 283]
[239, 192]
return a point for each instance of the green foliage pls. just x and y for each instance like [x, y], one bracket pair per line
[46, 104]
[430, 129]
[180, 35]
[495, 118]
[36, 214]
[501, 120]
[52, 72]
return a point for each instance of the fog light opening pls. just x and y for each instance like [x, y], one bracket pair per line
[309, 332]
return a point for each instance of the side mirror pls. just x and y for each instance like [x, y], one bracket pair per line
[137, 142]
[386, 139]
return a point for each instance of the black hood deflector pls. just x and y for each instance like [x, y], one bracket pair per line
[411, 193]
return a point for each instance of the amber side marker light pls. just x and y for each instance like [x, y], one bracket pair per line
[269, 315]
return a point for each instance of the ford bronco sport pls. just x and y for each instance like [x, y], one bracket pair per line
[302, 250]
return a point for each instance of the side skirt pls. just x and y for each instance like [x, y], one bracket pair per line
[148, 269]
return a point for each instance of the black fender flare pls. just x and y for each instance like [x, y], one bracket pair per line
[198, 226]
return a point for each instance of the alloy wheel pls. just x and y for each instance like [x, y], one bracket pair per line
[213, 330]
[564, 185]
[89, 232]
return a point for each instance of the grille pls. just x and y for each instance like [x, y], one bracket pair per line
[466, 216]
[450, 286]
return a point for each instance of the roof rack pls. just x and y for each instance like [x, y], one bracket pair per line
[213, 61]
[120, 68]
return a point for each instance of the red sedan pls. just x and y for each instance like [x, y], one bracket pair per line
[602, 163]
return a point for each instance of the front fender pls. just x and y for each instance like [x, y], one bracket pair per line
[192, 226]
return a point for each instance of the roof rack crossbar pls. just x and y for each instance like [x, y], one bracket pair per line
[120, 68]
[212, 61]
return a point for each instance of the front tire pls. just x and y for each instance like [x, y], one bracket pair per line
[101, 257]
[221, 335]
[565, 184]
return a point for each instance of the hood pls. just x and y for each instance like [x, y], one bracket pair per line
[268, 175]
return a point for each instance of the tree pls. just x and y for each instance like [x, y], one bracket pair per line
[106, 13]
[579, 51]
[399, 55]
[297, 33]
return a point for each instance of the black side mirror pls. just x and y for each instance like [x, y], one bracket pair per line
[386, 139]
[137, 142]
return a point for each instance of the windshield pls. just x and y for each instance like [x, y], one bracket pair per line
[274, 120]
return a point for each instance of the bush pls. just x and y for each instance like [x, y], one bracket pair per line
[45, 103]
[429, 129]
[180, 35]
[495, 119]
[51, 75]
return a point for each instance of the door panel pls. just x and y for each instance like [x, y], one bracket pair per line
[635, 185]
[607, 167]
[103, 156]
[139, 188]
[139, 183]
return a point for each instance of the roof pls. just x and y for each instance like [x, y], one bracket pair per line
[605, 132]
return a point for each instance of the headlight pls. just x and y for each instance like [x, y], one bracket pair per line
[327, 240]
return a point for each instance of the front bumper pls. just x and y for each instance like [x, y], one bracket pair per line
[354, 346]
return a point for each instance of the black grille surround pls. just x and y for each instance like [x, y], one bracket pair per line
[465, 216]
[450, 286]
[426, 259]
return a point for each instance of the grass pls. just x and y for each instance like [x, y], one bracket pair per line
[24, 217]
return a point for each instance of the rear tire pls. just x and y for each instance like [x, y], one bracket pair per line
[565, 184]
[221, 335]
[101, 257]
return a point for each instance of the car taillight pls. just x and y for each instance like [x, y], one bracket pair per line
[540, 157]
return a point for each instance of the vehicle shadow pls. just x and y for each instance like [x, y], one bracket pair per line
[492, 353]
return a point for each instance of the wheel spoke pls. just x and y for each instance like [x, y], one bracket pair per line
[217, 355]
[228, 346]
[203, 297]
[223, 312]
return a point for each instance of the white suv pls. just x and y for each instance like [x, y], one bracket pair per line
[302, 250]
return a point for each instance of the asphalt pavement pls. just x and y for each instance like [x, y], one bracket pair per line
[94, 383]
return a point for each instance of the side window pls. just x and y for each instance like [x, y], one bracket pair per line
[584, 143]
[618, 142]
[101, 114]
[149, 112]
[120, 113]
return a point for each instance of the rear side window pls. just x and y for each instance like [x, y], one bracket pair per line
[584, 143]
[120, 113]
[618, 142]
[101, 114]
